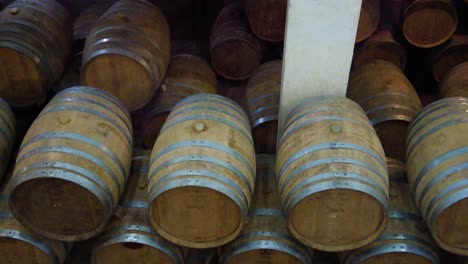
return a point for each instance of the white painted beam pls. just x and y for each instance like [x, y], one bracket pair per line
[318, 50]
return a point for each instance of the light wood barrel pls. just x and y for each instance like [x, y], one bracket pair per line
[7, 135]
[390, 101]
[381, 46]
[235, 51]
[127, 52]
[202, 172]
[73, 164]
[455, 83]
[266, 237]
[187, 75]
[368, 20]
[85, 22]
[452, 54]
[405, 240]
[263, 99]
[129, 238]
[35, 41]
[19, 245]
[428, 23]
[332, 175]
[437, 167]
[267, 18]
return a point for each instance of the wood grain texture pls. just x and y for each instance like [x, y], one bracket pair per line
[267, 18]
[390, 101]
[449, 56]
[7, 135]
[437, 171]
[369, 19]
[202, 172]
[127, 52]
[455, 82]
[332, 176]
[73, 164]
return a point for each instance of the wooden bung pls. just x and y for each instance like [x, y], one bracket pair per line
[35, 41]
[263, 99]
[405, 240]
[202, 172]
[267, 18]
[127, 52]
[187, 75]
[437, 148]
[428, 23]
[129, 237]
[368, 20]
[266, 237]
[235, 51]
[455, 82]
[449, 56]
[389, 100]
[332, 175]
[7, 135]
[73, 164]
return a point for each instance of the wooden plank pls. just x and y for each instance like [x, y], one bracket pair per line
[319, 46]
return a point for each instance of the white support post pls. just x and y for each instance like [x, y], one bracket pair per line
[318, 50]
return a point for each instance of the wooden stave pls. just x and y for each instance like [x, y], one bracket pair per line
[454, 82]
[7, 135]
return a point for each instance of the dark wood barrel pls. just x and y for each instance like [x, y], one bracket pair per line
[127, 52]
[437, 151]
[428, 23]
[405, 240]
[71, 76]
[263, 99]
[455, 83]
[35, 41]
[235, 51]
[19, 245]
[187, 75]
[201, 256]
[390, 101]
[202, 172]
[449, 56]
[267, 18]
[7, 135]
[332, 175]
[85, 22]
[266, 237]
[369, 19]
[73, 164]
[129, 237]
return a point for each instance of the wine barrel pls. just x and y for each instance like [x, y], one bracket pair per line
[405, 240]
[71, 76]
[267, 18]
[130, 237]
[437, 152]
[235, 51]
[202, 172]
[369, 19]
[187, 75]
[332, 175]
[381, 46]
[73, 164]
[7, 135]
[19, 245]
[390, 101]
[85, 22]
[455, 83]
[452, 54]
[428, 23]
[201, 256]
[127, 52]
[263, 99]
[265, 238]
[35, 41]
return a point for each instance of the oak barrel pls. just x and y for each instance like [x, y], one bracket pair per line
[201, 256]
[71, 76]
[405, 240]
[267, 18]
[35, 41]
[235, 51]
[202, 172]
[390, 101]
[127, 52]
[332, 175]
[85, 22]
[449, 56]
[129, 238]
[7, 135]
[73, 164]
[437, 153]
[428, 23]
[266, 237]
[187, 75]
[263, 99]
[455, 83]
[369, 19]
